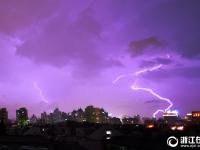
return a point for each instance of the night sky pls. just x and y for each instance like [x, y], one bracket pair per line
[74, 49]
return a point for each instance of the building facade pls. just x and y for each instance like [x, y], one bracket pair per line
[22, 116]
[3, 116]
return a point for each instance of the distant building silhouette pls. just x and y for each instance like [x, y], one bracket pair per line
[64, 116]
[171, 117]
[96, 115]
[114, 120]
[33, 119]
[77, 115]
[44, 118]
[22, 116]
[131, 120]
[3, 116]
[56, 115]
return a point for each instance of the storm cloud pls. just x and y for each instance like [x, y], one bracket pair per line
[139, 47]
[74, 49]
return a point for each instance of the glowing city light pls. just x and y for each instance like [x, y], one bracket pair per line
[179, 128]
[133, 87]
[173, 112]
[150, 126]
[173, 128]
[108, 132]
[40, 92]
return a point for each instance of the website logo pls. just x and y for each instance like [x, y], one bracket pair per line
[184, 141]
[172, 141]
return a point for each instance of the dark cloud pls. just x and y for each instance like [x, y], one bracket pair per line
[177, 22]
[181, 72]
[187, 72]
[13, 14]
[60, 42]
[58, 39]
[163, 60]
[90, 67]
[147, 63]
[152, 101]
[138, 47]
[155, 61]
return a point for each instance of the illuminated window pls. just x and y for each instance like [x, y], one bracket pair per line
[108, 132]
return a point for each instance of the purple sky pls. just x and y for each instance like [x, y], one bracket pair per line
[74, 49]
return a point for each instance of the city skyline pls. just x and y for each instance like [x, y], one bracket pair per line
[89, 114]
[23, 113]
[68, 53]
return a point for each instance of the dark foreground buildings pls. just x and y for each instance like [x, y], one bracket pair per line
[91, 129]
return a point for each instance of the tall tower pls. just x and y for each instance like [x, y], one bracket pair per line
[44, 118]
[22, 116]
[3, 115]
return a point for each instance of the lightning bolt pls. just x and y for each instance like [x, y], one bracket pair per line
[136, 73]
[156, 95]
[133, 87]
[40, 92]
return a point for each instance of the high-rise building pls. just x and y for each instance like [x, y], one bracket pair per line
[77, 115]
[33, 119]
[102, 115]
[65, 116]
[131, 120]
[171, 117]
[114, 120]
[3, 116]
[57, 115]
[96, 115]
[89, 114]
[44, 118]
[188, 117]
[22, 116]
